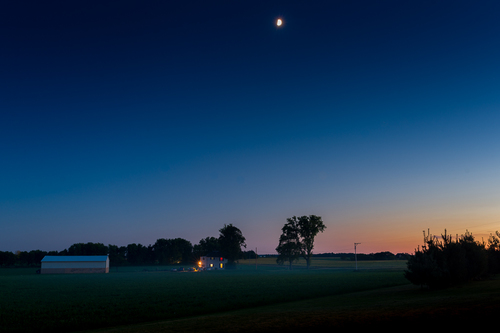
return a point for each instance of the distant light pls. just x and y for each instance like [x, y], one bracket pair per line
[279, 22]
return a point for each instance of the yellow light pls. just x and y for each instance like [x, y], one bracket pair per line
[279, 22]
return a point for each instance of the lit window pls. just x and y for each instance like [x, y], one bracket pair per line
[221, 265]
[211, 265]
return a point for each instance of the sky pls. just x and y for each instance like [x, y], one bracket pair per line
[128, 121]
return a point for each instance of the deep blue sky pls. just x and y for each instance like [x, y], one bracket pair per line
[126, 122]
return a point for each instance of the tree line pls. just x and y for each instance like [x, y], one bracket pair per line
[163, 252]
[386, 255]
[443, 262]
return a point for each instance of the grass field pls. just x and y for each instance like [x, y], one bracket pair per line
[401, 308]
[154, 299]
[327, 262]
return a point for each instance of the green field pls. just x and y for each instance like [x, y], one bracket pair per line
[328, 262]
[131, 296]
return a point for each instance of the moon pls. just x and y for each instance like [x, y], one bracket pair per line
[279, 22]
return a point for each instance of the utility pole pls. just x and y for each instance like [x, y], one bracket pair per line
[356, 255]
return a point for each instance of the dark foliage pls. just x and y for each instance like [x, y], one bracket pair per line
[230, 241]
[297, 238]
[173, 251]
[137, 254]
[7, 258]
[88, 249]
[289, 248]
[21, 258]
[374, 256]
[248, 255]
[163, 251]
[444, 262]
[205, 246]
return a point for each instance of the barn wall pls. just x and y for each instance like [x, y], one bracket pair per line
[74, 264]
[69, 267]
[73, 270]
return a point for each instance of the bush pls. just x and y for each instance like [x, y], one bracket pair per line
[442, 263]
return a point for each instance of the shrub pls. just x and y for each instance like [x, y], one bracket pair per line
[442, 263]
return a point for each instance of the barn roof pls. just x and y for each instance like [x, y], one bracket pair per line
[75, 258]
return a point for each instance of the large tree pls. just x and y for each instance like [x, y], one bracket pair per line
[139, 254]
[172, 251]
[230, 241]
[205, 246]
[290, 247]
[307, 227]
[117, 255]
[87, 249]
[7, 258]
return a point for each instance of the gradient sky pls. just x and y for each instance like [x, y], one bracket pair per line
[128, 121]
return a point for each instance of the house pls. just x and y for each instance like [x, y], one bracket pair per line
[213, 260]
[74, 264]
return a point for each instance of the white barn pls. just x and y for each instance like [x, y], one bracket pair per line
[74, 264]
[212, 261]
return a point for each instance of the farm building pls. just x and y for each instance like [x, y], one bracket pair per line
[213, 260]
[74, 264]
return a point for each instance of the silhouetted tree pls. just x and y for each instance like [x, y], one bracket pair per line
[185, 248]
[230, 241]
[289, 248]
[206, 245]
[25, 259]
[172, 251]
[444, 262]
[248, 255]
[382, 256]
[163, 252]
[117, 255]
[87, 249]
[309, 227]
[7, 258]
[138, 254]
[36, 256]
[494, 253]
